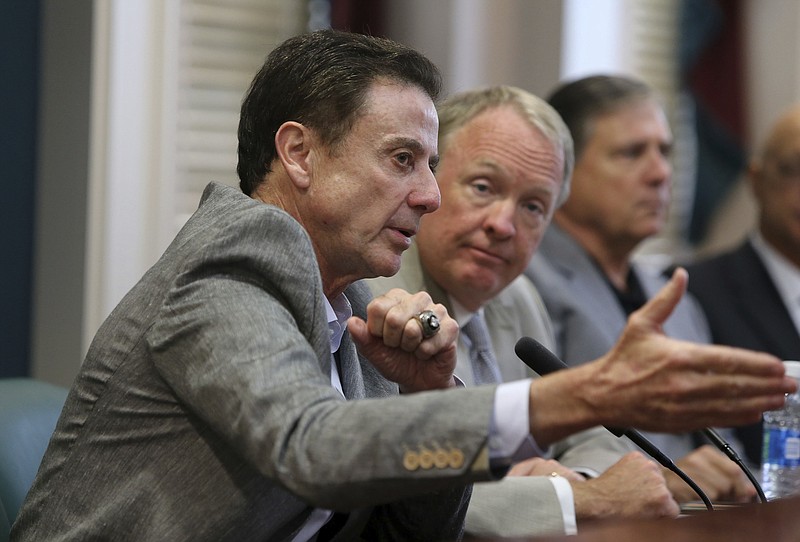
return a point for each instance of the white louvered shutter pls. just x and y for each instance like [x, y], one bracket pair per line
[222, 45]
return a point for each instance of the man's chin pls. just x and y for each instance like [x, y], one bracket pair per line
[385, 268]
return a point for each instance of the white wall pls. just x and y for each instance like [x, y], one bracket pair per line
[484, 42]
[62, 190]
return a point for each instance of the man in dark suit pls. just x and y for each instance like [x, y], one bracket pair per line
[224, 398]
[751, 295]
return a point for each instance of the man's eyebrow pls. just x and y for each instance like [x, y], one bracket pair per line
[409, 142]
[415, 146]
[489, 163]
[488, 166]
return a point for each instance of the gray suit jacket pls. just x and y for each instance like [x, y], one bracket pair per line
[588, 319]
[204, 409]
[514, 506]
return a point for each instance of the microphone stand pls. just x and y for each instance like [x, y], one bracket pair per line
[640, 440]
[717, 440]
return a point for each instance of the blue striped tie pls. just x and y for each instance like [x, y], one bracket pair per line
[484, 364]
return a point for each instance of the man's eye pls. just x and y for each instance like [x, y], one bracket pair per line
[404, 158]
[534, 208]
[631, 152]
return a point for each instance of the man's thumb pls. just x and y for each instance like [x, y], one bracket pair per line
[656, 311]
[358, 330]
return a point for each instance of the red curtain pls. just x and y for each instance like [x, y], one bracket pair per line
[362, 16]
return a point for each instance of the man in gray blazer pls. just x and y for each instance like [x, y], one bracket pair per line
[751, 294]
[224, 399]
[584, 267]
[487, 201]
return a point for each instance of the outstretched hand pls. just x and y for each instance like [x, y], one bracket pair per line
[391, 339]
[657, 383]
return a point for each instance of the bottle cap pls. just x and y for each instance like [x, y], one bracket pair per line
[792, 369]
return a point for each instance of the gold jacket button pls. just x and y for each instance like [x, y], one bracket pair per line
[441, 459]
[411, 460]
[456, 458]
[426, 459]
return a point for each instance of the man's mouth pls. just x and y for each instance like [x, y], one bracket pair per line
[404, 229]
[488, 254]
[407, 233]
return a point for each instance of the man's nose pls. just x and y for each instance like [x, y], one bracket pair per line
[425, 195]
[659, 168]
[500, 219]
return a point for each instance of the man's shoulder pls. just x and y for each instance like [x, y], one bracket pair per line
[709, 272]
[521, 292]
[227, 205]
[232, 235]
[228, 220]
[559, 262]
[742, 250]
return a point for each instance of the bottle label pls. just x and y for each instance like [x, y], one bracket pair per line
[782, 447]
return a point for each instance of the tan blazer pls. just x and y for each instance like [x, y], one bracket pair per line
[515, 506]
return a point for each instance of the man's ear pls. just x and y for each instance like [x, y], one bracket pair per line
[293, 143]
[755, 174]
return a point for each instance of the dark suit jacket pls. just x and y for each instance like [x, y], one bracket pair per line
[744, 309]
[204, 409]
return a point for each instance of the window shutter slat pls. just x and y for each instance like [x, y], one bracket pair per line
[222, 44]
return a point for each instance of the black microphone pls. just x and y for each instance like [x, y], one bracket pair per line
[722, 445]
[536, 356]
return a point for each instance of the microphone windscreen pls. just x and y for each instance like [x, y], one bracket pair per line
[536, 356]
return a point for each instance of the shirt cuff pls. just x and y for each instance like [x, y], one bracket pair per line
[586, 472]
[509, 430]
[567, 501]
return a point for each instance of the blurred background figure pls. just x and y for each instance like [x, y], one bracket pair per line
[751, 294]
[584, 268]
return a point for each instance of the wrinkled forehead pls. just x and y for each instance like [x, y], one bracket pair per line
[504, 143]
[623, 108]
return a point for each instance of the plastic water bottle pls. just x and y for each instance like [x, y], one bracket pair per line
[780, 470]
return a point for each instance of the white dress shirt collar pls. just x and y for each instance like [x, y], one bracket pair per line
[461, 314]
[338, 311]
[784, 274]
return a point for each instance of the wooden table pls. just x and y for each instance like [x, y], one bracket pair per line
[777, 521]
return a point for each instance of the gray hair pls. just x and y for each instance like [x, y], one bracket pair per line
[461, 108]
